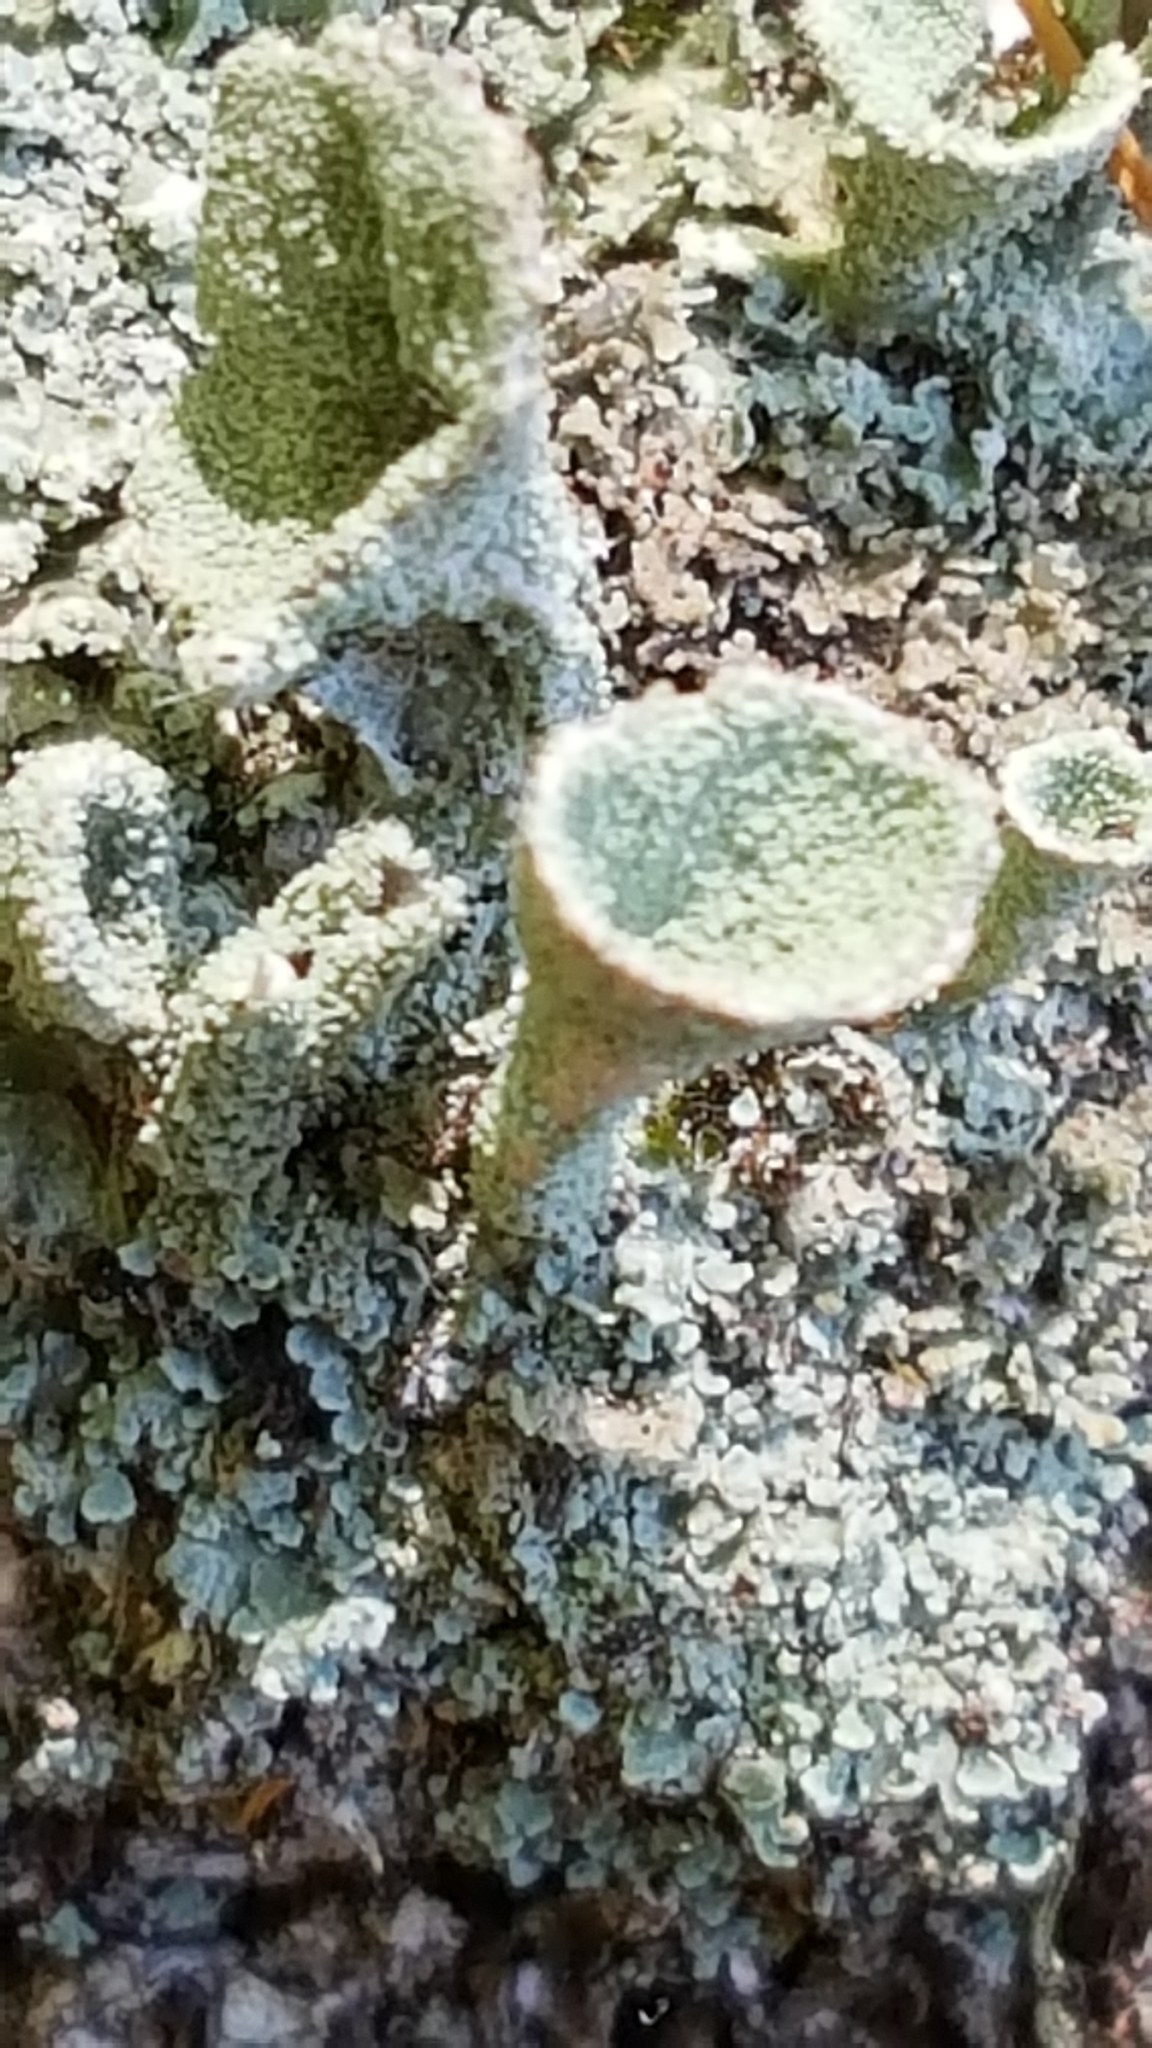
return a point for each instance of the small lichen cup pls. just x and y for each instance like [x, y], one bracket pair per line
[1077, 816]
[356, 447]
[698, 877]
[928, 161]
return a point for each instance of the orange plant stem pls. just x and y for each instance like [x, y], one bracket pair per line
[1128, 167]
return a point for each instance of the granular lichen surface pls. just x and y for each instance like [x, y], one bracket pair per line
[747, 1551]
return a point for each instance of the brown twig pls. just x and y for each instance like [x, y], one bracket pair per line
[1128, 167]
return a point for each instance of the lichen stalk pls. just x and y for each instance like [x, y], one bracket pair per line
[699, 877]
[1078, 816]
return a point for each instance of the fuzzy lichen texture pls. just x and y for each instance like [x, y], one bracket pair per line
[700, 877]
[262, 1034]
[674, 145]
[89, 890]
[974, 220]
[365, 444]
[50, 1191]
[932, 156]
[1084, 798]
[809, 1530]
[1078, 816]
[97, 209]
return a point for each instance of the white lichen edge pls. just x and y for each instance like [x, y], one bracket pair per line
[1030, 783]
[772, 996]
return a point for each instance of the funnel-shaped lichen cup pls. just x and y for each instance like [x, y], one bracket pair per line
[702, 876]
[1077, 817]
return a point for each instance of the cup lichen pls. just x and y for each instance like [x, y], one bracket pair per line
[780, 1507]
[699, 877]
[364, 445]
[1077, 817]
